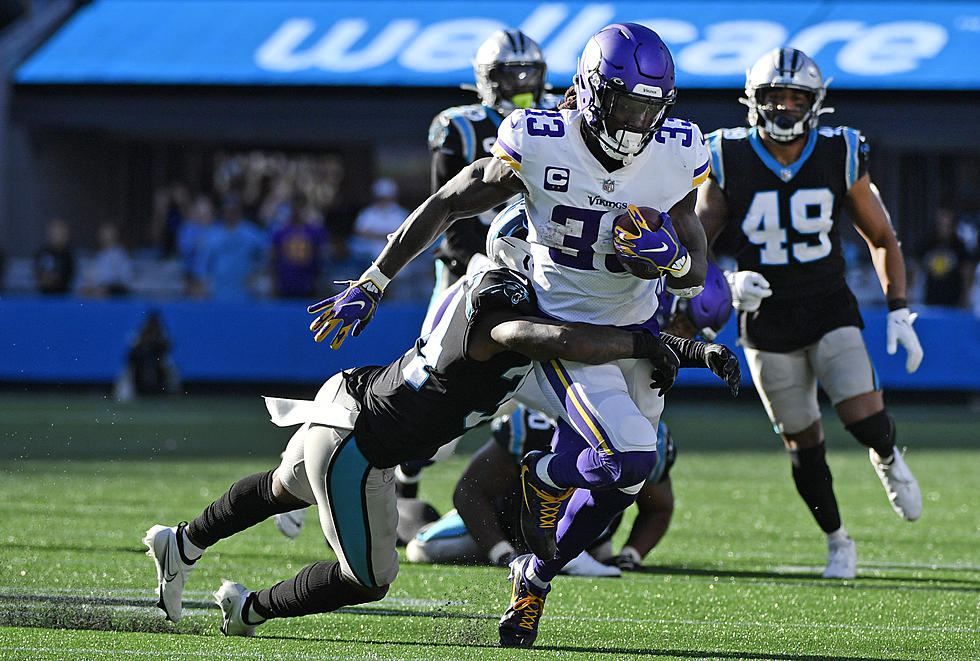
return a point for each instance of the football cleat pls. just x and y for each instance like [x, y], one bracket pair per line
[519, 625]
[231, 597]
[290, 523]
[172, 571]
[900, 485]
[585, 565]
[541, 508]
[841, 559]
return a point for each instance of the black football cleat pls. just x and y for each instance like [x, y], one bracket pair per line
[541, 508]
[519, 625]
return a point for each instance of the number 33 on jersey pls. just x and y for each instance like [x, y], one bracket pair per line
[572, 201]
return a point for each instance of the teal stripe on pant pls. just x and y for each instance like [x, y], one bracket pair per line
[348, 473]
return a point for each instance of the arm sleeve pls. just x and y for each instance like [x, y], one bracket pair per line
[691, 352]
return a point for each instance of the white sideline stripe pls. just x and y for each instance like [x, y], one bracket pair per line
[210, 654]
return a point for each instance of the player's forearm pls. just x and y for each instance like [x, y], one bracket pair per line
[648, 529]
[582, 343]
[418, 232]
[890, 267]
[479, 517]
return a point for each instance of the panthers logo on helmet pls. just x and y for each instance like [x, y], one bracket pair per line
[504, 289]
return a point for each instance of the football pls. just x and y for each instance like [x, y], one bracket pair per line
[626, 232]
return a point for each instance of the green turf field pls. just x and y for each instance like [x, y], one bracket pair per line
[736, 577]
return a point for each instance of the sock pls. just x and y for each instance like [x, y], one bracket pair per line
[838, 534]
[590, 469]
[541, 469]
[247, 502]
[587, 515]
[877, 432]
[543, 587]
[249, 615]
[815, 485]
[317, 588]
[189, 553]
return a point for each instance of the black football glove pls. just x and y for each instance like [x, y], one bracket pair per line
[663, 359]
[723, 362]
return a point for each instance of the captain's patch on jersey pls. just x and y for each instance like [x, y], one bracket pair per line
[556, 179]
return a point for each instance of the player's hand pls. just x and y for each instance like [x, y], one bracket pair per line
[748, 290]
[665, 366]
[661, 247]
[628, 559]
[347, 312]
[723, 362]
[900, 331]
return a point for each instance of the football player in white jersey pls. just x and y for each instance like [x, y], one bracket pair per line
[578, 170]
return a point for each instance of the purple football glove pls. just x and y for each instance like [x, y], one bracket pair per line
[659, 247]
[350, 310]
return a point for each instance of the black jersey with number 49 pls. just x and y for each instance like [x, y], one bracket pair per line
[784, 219]
[435, 391]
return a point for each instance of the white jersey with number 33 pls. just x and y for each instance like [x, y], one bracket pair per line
[572, 202]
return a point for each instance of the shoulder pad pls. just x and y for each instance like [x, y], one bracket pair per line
[502, 289]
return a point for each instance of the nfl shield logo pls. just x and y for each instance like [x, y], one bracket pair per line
[608, 185]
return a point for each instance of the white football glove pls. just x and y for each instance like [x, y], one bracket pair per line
[900, 331]
[748, 289]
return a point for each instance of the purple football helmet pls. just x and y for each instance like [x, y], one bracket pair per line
[708, 312]
[625, 87]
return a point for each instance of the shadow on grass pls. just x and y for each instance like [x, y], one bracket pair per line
[138, 615]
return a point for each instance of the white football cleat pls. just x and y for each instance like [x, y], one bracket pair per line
[172, 571]
[842, 558]
[290, 524]
[231, 598]
[900, 485]
[585, 565]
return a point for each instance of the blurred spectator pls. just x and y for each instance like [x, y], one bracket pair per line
[170, 206]
[191, 238]
[233, 254]
[376, 221]
[946, 264]
[149, 369]
[297, 252]
[110, 272]
[54, 264]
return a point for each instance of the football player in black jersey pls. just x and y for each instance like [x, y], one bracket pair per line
[366, 421]
[510, 73]
[774, 200]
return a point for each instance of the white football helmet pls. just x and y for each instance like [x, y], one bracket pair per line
[789, 68]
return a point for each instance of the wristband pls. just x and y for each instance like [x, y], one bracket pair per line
[499, 550]
[897, 304]
[375, 275]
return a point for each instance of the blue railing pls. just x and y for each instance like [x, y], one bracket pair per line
[71, 340]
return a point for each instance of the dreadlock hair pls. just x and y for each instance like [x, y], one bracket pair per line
[569, 102]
